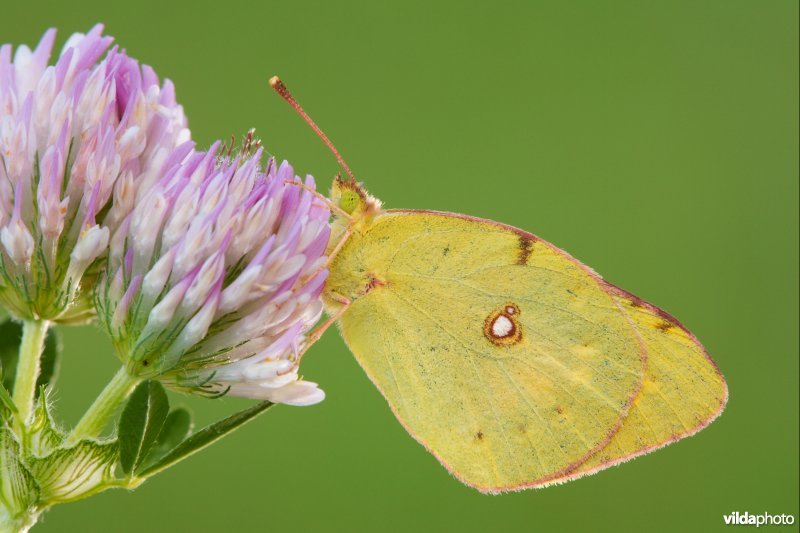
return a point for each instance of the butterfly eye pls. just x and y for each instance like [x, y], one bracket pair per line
[501, 327]
[349, 201]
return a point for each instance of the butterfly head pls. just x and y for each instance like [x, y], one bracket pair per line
[352, 198]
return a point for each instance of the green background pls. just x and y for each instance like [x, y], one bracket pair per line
[655, 141]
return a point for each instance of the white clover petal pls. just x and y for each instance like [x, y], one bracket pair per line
[90, 244]
[18, 242]
[299, 393]
[267, 369]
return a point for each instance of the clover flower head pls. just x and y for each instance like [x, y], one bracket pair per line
[73, 137]
[215, 276]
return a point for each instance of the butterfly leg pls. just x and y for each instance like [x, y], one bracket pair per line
[330, 205]
[317, 332]
[343, 239]
[335, 251]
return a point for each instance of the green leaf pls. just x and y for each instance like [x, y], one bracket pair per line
[140, 424]
[205, 437]
[6, 402]
[177, 426]
[43, 436]
[10, 339]
[18, 489]
[68, 474]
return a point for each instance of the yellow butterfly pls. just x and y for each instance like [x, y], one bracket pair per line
[510, 361]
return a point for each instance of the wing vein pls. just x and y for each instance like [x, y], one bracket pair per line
[479, 377]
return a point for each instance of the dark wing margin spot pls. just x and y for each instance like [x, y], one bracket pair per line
[664, 326]
[525, 248]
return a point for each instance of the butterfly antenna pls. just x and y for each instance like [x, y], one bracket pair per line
[281, 89]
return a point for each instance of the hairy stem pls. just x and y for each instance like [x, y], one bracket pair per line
[20, 523]
[28, 365]
[104, 407]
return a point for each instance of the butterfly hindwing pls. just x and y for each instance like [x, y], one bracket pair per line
[683, 390]
[506, 358]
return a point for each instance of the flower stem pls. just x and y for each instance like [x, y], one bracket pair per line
[104, 407]
[28, 365]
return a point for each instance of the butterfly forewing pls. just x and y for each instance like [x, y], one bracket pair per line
[505, 357]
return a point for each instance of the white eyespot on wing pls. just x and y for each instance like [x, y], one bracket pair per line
[502, 326]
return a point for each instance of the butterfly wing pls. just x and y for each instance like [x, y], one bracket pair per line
[506, 358]
[683, 389]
